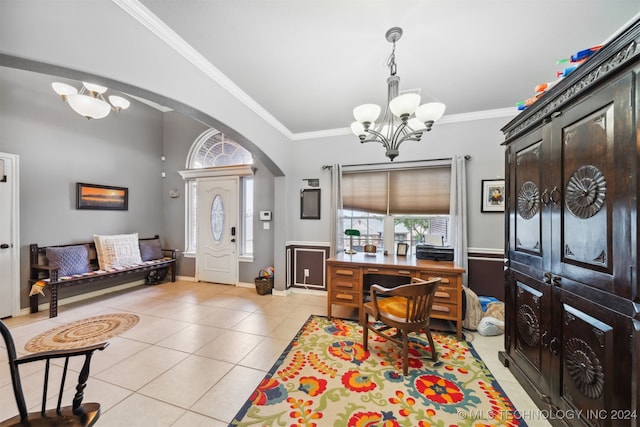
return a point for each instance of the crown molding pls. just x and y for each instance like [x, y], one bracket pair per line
[509, 112]
[145, 17]
[479, 115]
[173, 40]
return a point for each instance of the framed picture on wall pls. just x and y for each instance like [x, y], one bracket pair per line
[310, 203]
[93, 196]
[492, 195]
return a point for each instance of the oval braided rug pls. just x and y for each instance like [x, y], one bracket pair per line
[82, 332]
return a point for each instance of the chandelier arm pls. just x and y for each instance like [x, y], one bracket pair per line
[417, 133]
[378, 137]
[402, 134]
[407, 138]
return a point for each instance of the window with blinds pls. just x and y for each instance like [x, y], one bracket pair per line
[424, 191]
[416, 200]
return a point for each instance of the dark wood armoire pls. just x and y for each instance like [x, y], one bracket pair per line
[572, 335]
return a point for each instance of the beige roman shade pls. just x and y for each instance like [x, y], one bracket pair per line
[423, 191]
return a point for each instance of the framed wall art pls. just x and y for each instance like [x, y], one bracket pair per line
[310, 203]
[492, 195]
[101, 197]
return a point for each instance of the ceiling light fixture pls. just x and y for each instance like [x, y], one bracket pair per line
[397, 124]
[89, 102]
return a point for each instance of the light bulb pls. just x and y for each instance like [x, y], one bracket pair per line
[358, 129]
[88, 106]
[404, 105]
[430, 112]
[366, 113]
[94, 88]
[63, 89]
[119, 102]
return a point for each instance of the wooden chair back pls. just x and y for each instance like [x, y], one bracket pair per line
[78, 414]
[406, 308]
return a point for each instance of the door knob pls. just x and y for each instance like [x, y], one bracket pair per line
[233, 240]
[4, 246]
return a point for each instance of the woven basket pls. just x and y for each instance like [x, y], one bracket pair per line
[264, 285]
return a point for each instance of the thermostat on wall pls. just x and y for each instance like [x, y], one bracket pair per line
[265, 215]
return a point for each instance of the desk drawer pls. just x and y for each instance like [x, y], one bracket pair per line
[444, 311]
[345, 279]
[346, 298]
[446, 295]
[448, 280]
[389, 272]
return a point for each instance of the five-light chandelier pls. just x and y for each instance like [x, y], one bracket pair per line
[89, 101]
[404, 118]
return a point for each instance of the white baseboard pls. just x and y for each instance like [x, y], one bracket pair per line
[316, 292]
[245, 285]
[280, 293]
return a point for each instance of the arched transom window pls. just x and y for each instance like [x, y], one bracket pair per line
[214, 149]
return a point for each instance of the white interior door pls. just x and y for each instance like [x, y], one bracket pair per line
[9, 244]
[217, 235]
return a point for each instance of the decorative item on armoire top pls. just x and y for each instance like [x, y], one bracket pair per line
[492, 195]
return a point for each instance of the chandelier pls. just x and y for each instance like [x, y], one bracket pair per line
[89, 101]
[404, 118]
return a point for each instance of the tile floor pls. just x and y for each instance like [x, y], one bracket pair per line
[196, 355]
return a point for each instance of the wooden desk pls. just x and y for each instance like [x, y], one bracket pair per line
[347, 275]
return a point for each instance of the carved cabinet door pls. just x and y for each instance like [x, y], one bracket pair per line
[591, 157]
[592, 353]
[528, 218]
[530, 331]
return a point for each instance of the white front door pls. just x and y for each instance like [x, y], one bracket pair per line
[9, 244]
[217, 235]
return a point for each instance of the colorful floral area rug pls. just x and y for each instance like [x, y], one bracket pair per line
[325, 378]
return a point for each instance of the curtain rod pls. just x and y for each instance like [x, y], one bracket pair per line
[466, 157]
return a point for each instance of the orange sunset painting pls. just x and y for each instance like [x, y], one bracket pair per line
[101, 197]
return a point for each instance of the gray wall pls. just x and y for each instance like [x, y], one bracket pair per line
[148, 67]
[58, 148]
[179, 134]
[478, 138]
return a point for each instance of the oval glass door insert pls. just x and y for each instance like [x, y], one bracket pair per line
[217, 219]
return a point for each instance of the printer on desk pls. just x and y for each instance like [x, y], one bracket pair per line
[434, 253]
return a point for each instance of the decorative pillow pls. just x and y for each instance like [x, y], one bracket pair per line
[150, 249]
[118, 250]
[69, 259]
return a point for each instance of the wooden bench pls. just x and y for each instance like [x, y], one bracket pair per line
[44, 274]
